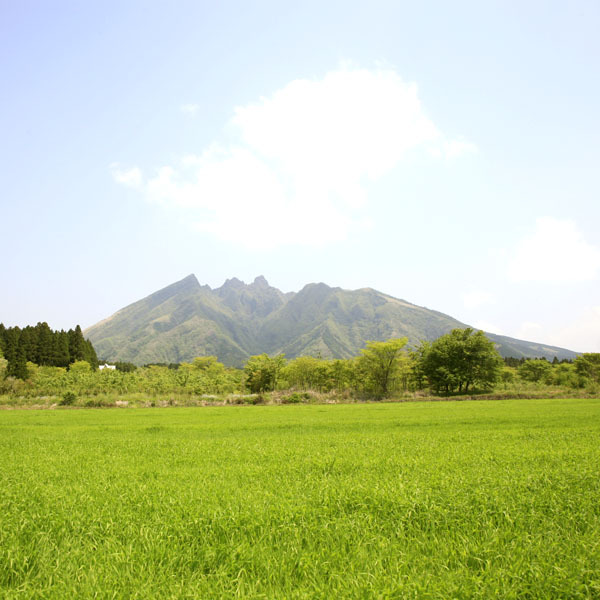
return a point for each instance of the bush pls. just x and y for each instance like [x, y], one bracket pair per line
[68, 399]
[295, 398]
[99, 403]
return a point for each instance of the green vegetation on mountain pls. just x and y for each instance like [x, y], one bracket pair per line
[238, 320]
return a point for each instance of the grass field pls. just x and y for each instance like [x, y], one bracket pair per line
[418, 500]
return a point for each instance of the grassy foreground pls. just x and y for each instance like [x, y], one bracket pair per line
[421, 500]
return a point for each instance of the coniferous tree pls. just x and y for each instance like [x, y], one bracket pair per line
[61, 357]
[76, 344]
[28, 341]
[17, 367]
[90, 353]
[11, 341]
[44, 344]
[45, 347]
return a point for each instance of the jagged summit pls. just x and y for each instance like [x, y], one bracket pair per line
[236, 320]
[233, 283]
[260, 281]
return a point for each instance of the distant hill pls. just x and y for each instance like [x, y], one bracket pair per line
[237, 320]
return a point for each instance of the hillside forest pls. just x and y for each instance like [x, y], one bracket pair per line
[37, 362]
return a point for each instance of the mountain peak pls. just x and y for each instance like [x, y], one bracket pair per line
[260, 281]
[237, 320]
[233, 283]
[190, 279]
[185, 285]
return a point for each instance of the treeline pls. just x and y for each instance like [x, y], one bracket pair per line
[511, 361]
[43, 346]
[463, 361]
[582, 372]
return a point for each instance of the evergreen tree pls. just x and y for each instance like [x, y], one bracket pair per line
[11, 341]
[2, 334]
[76, 344]
[28, 341]
[45, 347]
[44, 344]
[17, 367]
[61, 356]
[90, 354]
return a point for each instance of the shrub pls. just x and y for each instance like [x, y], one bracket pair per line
[295, 398]
[68, 399]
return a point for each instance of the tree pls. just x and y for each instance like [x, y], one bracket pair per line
[208, 364]
[566, 374]
[61, 358]
[309, 373]
[535, 370]
[77, 347]
[459, 360]
[380, 365]
[18, 366]
[588, 365]
[262, 371]
[90, 354]
[125, 367]
[44, 344]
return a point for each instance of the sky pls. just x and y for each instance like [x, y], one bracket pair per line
[443, 153]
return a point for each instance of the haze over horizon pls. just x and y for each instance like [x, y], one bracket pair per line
[443, 154]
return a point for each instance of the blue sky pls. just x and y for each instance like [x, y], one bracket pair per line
[444, 153]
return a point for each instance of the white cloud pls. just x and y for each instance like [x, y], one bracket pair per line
[489, 327]
[127, 177]
[477, 298]
[531, 332]
[556, 252]
[452, 149]
[581, 334]
[298, 166]
[190, 109]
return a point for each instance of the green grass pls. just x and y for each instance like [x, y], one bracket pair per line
[421, 500]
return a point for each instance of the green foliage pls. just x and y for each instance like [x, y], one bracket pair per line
[68, 399]
[507, 375]
[455, 362]
[536, 370]
[207, 363]
[566, 375]
[310, 373]
[588, 365]
[461, 359]
[382, 365]
[295, 398]
[17, 367]
[261, 372]
[42, 346]
[125, 367]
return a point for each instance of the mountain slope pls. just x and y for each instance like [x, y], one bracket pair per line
[187, 319]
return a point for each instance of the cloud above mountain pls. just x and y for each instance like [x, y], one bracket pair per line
[556, 251]
[295, 167]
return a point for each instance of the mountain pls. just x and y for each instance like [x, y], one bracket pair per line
[237, 320]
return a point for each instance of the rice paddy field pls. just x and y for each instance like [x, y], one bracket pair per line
[497, 499]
